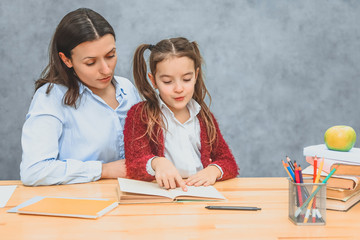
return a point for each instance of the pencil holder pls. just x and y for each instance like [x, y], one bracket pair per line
[307, 202]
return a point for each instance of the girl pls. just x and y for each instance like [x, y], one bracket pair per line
[73, 130]
[173, 135]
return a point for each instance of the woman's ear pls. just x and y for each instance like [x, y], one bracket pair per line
[152, 79]
[66, 60]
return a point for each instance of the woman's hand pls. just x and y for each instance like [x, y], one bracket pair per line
[116, 169]
[166, 174]
[205, 177]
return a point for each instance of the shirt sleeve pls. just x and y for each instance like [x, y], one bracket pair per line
[149, 168]
[40, 144]
[220, 169]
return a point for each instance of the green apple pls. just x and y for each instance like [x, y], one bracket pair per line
[340, 138]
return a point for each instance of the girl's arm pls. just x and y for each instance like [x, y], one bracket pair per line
[138, 150]
[220, 164]
[221, 155]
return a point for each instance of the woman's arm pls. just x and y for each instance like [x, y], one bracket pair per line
[40, 143]
[40, 165]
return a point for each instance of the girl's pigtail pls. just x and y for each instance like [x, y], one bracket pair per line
[140, 74]
[151, 110]
[199, 96]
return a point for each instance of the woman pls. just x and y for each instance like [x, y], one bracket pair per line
[73, 131]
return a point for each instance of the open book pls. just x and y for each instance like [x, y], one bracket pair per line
[66, 207]
[135, 191]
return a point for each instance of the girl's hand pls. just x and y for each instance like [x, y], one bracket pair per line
[166, 174]
[205, 177]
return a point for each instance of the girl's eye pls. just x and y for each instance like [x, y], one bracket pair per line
[167, 82]
[187, 80]
[111, 56]
[90, 64]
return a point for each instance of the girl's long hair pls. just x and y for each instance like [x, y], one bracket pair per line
[76, 27]
[151, 113]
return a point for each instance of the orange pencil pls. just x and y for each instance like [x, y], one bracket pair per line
[314, 177]
[315, 169]
[314, 188]
[286, 169]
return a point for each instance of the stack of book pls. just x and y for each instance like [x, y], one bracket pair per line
[343, 188]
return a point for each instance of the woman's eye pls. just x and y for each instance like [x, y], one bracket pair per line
[187, 80]
[167, 82]
[90, 64]
[111, 56]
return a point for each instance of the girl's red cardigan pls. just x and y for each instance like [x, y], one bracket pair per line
[139, 149]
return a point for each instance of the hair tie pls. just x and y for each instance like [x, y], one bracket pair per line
[151, 47]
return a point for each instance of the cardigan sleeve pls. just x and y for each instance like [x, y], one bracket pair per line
[222, 156]
[137, 145]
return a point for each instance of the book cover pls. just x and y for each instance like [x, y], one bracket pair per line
[352, 156]
[343, 205]
[348, 163]
[336, 181]
[135, 191]
[341, 194]
[343, 168]
[66, 207]
[346, 169]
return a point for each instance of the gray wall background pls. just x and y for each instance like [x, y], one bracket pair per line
[279, 72]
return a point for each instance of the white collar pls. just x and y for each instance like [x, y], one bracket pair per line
[118, 90]
[193, 107]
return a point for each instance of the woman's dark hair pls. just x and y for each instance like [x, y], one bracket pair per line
[76, 27]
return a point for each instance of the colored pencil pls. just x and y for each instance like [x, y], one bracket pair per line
[298, 211]
[299, 194]
[314, 202]
[290, 163]
[286, 169]
[290, 171]
[315, 168]
[306, 193]
[313, 190]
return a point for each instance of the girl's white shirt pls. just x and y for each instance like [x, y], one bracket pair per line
[182, 141]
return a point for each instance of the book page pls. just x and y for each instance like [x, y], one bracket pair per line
[150, 188]
[5, 194]
[142, 187]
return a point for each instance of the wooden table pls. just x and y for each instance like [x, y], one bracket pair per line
[176, 220]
